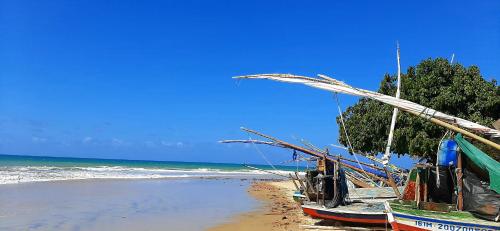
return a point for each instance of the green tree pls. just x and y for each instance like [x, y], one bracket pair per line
[452, 89]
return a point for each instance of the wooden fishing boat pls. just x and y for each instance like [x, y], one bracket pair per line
[369, 213]
[463, 202]
[476, 206]
[366, 207]
[339, 189]
[404, 216]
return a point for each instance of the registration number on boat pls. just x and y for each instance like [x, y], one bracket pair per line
[449, 227]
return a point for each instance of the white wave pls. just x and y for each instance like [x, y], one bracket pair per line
[23, 174]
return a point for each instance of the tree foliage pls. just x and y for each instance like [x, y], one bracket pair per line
[452, 89]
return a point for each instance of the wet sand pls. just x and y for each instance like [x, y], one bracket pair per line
[278, 211]
[194, 204]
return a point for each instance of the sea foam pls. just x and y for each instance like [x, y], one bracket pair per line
[23, 174]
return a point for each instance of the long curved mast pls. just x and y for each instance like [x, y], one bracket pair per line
[387, 154]
[442, 119]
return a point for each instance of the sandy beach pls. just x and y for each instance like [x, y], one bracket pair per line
[278, 211]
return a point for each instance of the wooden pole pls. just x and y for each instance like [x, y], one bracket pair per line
[314, 153]
[359, 183]
[459, 130]
[295, 184]
[392, 183]
[387, 154]
[306, 189]
[427, 170]
[365, 164]
[460, 199]
[417, 187]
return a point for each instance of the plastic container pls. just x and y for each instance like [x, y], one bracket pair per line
[447, 153]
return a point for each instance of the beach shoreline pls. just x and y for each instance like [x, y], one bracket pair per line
[277, 211]
[148, 204]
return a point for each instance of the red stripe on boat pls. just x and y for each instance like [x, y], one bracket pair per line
[313, 213]
[404, 227]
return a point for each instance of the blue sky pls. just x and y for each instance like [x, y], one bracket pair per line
[152, 79]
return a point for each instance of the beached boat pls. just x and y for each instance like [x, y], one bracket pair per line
[359, 173]
[338, 189]
[354, 173]
[366, 207]
[362, 213]
[405, 216]
[459, 201]
[476, 206]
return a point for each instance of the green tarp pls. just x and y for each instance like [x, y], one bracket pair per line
[482, 160]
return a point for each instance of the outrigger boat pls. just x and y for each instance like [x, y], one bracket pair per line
[324, 192]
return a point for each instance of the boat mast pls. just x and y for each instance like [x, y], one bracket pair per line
[387, 155]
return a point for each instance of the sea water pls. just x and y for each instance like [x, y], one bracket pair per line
[22, 169]
[59, 193]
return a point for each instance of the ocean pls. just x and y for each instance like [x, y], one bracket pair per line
[61, 193]
[23, 169]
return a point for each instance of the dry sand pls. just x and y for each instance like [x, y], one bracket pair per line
[278, 212]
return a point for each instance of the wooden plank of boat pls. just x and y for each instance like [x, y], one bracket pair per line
[343, 228]
[360, 213]
[371, 193]
[299, 197]
[404, 218]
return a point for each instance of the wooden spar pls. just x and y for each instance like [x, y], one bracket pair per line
[309, 184]
[314, 153]
[282, 146]
[293, 180]
[387, 155]
[369, 165]
[460, 197]
[392, 183]
[426, 187]
[302, 185]
[258, 169]
[370, 157]
[249, 141]
[459, 130]
[359, 183]
[311, 146]
[417, 188]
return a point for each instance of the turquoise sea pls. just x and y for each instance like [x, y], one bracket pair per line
[20, 169]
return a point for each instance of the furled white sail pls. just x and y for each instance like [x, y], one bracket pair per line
[330, 84]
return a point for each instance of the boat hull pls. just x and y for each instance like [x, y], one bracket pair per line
[419, 223]
[357, 217]
[403, 217]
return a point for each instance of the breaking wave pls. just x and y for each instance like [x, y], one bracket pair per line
[24, 174]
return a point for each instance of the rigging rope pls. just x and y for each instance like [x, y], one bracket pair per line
[347, 137]
[261, 153]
